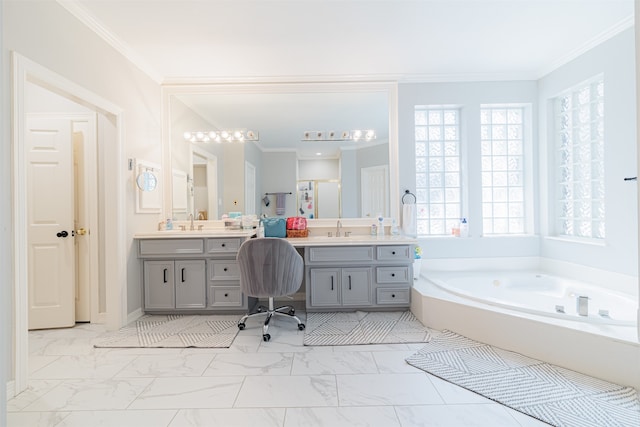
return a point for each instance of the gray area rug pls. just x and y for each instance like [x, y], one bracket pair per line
[174, 331]
[388, 327]
[555, 395]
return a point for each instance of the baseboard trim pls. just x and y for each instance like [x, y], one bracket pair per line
[134, 315]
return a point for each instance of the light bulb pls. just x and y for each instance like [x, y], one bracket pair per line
[224, 134]
[212, 134]
[199, 135]
[187, 135]
[357, 134]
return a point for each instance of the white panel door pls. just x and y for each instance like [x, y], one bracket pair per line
[50, 218]
[374, 188]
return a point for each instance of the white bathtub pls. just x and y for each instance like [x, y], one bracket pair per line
[516, 311]
[540, 294]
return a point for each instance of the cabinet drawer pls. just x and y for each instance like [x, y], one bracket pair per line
[344, 254]
[225, 296]
[394, 253]
[170, 246]
[223, 245]
[392, 274]
[224, 270]
[390, 296]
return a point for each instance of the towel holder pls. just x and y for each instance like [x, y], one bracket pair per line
[409, 193]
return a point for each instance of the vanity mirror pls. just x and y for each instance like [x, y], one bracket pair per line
[235, 176]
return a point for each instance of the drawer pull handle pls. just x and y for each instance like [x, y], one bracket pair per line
[349, 282]
[226, 295]
[225, 269]
[182, 275]
[223, 245]
[393, 274]
[393, 252]
[164, 275]
[393, 295]
[331, 282]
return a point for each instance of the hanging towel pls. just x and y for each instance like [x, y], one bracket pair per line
[409, 219]
[281, 202]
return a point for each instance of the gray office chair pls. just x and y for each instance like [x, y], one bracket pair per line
[269, 267]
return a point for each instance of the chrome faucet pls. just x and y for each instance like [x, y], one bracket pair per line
[339, 226]
[191, 227]
[582, 305]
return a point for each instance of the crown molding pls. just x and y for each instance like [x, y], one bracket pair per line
[84, 16]
[587, 46]
[348, 78]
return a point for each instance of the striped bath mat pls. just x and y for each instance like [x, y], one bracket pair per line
[174, 331]
[381, 327]
[552, 394]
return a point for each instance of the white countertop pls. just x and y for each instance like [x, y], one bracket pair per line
[194, 234]
[352, 240]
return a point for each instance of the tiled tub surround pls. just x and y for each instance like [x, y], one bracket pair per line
[278, 383]
[610, 352]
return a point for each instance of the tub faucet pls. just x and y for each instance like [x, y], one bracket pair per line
[339, 226]
[191, 227]
[582, 305]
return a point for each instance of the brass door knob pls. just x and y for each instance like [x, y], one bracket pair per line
[81, 232]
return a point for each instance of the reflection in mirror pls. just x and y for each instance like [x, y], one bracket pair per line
[203, 203]
[147, 181]
[281, 158]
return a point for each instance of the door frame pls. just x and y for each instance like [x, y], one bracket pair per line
[25, 71]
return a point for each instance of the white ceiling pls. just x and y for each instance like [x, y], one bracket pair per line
[193, 41]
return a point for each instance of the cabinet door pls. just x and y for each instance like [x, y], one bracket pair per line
[356, 286]
[324, 287]
[159, 285]
[191, 284]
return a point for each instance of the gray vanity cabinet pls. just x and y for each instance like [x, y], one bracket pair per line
[191, 275]
[358, 277]
[335, 287]
[356, 287]
[159, 285]
[176, 284]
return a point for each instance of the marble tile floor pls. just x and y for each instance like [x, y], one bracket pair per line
[278, 383]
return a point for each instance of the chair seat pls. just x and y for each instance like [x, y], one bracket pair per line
[269, 267]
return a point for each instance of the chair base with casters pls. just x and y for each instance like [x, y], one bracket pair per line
[284, 311]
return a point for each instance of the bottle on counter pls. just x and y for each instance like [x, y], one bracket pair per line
[464, 227]
[380, 226]
[374, 230]
[395, 231]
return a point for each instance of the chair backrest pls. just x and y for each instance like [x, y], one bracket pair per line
[269, 267]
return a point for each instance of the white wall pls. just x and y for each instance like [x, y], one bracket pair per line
[47, 34]
[619, 253]
[616, 60]
[279, 174]
[5, 236]
[469, 96]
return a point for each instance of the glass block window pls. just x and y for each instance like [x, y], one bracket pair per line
[438, 180]
[502, 159]
[580, 192]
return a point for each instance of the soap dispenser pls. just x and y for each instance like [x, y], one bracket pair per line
[380, 226]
